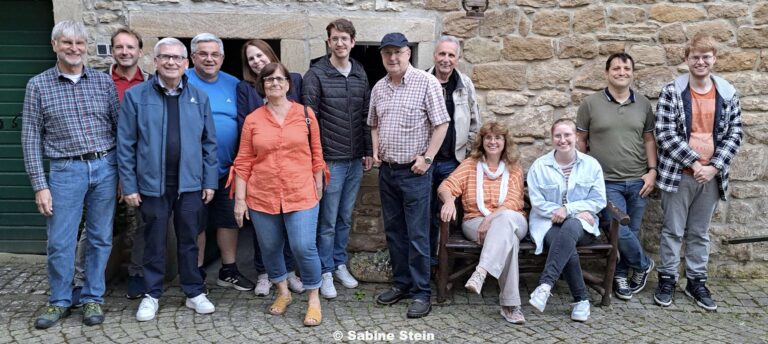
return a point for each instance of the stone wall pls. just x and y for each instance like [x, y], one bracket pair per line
[532, 61]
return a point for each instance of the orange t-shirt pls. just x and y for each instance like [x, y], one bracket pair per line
[276, 162]
[463, 182]
[703, 124]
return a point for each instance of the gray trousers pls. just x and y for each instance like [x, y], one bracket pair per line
[687, 214]
[499, 254]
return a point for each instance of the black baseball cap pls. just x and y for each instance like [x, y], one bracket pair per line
[395, 39]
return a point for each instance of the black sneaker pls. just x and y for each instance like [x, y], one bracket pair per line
[665, 291]
[391, 296]
[639, 278]
[418, 309]
[697, 289]
[621, 288]
[234, 279]
[50, 316]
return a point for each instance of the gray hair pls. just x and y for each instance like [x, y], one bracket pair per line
[170, 41]
[453, 40]
[69, 28]
[206, 37]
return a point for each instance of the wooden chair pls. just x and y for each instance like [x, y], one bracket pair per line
[453, 246]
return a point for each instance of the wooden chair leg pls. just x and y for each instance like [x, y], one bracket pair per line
[443, 268]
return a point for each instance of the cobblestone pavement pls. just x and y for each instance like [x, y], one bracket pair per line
[240, 317]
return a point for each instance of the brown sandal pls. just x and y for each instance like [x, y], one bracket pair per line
[314, 316]
[280, 305]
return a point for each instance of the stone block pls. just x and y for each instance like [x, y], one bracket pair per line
[554, 98]
[733, 61]
[748, 211]
[529, 153]
[760, 13]
[505, 98]
[551, 74]
[728, 10]
[498, 23]
[622, 37]
[749, 164]
[752, 37]
[668, 13]
[108, 17]
[756, 134]
[649, 55]
[370, 180]
[551, 22]
[366, 225]
[457, 24]
[649, 81]
[763, 61]
[573, 3]
[525, 25]
[748, 83]
[753, 103]
[589, 19]
[370, 197]
[508, 76]
[295, 55]
[719, 29]
[740, 190]
[533, 122]
[537, 3]
[108, 5]
[531, 48]
[371, 266]
[443, 5]
[577, 96]
[366, 242]
[591, 76]
[674, 33]
[582, 47]
[626, 14]
[675, 53]
[481, 50]
[608, 48]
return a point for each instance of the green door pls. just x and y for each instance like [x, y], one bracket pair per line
[25, 50]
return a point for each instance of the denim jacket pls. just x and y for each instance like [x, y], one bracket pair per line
[546, 183]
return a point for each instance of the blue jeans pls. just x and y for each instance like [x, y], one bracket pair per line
[74, 184]
[187, 209]
[405, 204]
[442, 169]
[258, 263]
[301, 227]
[626, 196]
[336, 212]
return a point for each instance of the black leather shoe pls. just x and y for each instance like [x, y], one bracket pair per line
[391, 296]
[419, 309]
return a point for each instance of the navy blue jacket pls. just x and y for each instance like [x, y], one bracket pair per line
[141, 134]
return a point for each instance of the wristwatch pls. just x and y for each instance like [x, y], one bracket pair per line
[428, 160]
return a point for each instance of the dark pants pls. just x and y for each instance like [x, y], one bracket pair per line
[561, 241]
[187, 208]
[405, 204]
[442, 169]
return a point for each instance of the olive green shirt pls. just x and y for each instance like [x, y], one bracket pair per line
[616, 133]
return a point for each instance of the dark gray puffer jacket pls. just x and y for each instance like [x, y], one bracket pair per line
[341, 106]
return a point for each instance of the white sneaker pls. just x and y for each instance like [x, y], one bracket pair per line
[263, 285]
[200, 304]
[327, 290]
[580, 311]
[147, 308]
[294, 283]
[540, 296]
[346, 278]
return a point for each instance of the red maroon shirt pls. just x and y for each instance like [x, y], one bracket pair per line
[123, 84]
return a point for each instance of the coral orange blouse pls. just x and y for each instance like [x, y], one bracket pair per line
[277, 162]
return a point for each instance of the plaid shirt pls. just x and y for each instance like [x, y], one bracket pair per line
[673, 119]
[63, 119]
[405, 114]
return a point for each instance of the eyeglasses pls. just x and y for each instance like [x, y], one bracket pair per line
[389, 53]
[704, 58]
[275, 80]
[344, 39]
[172, 58]
[203, 55]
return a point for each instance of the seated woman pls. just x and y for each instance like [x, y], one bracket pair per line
[567, 191]
[278, 175]
[490, 182]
